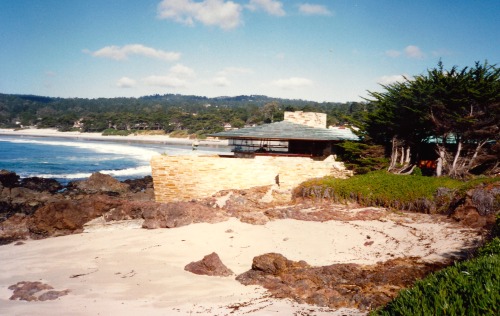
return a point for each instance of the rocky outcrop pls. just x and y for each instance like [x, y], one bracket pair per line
[176, 214]
[100, 183]
[65, 217]
[478, 207]
[41, 184]
[210, 265]
[337, 285]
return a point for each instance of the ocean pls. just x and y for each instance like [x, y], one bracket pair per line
[66, 159]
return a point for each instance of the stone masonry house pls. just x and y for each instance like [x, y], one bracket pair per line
[294, 150]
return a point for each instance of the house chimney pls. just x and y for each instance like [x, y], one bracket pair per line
[311, 119]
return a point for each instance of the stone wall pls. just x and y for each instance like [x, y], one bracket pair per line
[183, 178]
[311, 119]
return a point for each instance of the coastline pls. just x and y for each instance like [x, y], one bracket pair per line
[154, 139]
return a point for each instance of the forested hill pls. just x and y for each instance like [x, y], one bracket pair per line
[170, 112]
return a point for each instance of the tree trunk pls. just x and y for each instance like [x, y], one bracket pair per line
[394, 154]
[455, 160]
[440, 161]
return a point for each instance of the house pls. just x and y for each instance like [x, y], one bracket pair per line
[284, 154]
[301, 134]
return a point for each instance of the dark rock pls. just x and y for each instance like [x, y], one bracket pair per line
[9, 179]
[337, 285]
[137, 185]
[99, 183]
[176, 214]
[210, 265]
[41, 184]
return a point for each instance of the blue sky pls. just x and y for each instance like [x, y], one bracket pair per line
[320, 50]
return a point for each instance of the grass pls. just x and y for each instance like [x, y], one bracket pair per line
[380, 188]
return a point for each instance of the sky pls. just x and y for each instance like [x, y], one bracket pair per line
[317, 50]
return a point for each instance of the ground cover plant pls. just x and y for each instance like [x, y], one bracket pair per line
[402, 192]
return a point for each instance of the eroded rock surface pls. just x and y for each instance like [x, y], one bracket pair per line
[337, 285]
[176, 214]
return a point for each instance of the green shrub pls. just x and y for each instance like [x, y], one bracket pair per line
[466, 288]
[362, 158]
[115, 132]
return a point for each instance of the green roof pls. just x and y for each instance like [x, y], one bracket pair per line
[285, 130]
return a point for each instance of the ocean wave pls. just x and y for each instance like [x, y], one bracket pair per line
[128, 172]
[137, 152]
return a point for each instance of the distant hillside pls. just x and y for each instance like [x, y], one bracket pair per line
[170, 112]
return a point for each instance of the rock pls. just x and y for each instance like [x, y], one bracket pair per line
[468, 215]
[254, 218]
[137, 185]
[30, 291]
[41, 184]
[63, 217]
[337, 285]
[8, 179]
[14, 228]
[210, 265]
[176, 214]
[99, 183]
[128, 210]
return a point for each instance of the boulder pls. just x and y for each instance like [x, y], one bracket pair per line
[210, 265]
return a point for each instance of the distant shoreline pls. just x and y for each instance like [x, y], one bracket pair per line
[155, 139]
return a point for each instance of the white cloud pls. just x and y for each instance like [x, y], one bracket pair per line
[221, 81]
[292, 82]
[386, 80]
[126, 82]
[228, 71]
[314, 9]
[177, 77]
[393, 53]
[272, 7]
[222, 78]
[122, 53]
[224, 14]
[412, 51]
[164, 81]
[182, 71]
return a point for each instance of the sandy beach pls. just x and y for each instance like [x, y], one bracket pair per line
[122, 269]
[161, 139]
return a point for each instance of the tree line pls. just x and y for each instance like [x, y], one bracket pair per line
[194, 115]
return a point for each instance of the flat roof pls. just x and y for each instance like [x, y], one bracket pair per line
[285, 130]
